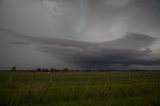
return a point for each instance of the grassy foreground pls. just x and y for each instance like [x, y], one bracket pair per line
[80, 89]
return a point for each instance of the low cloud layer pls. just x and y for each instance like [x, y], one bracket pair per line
[128, 50]
[132, 49]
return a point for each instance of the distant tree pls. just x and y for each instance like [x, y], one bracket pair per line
[45, 70]
[65, 70]
[38, 69]
[53, 70]
[13, 68]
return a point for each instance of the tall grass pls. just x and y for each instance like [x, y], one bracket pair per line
[80, 89]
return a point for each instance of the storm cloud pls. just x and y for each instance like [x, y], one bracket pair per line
[80, 33]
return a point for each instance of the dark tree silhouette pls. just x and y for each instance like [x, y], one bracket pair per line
[65, 70]
[52, 69]
[38, 69]
[13, 68]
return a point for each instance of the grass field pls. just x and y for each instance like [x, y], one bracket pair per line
[80, 89]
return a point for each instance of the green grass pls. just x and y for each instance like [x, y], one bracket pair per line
[80, 89]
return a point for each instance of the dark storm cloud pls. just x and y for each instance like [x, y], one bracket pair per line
[111, 57]
[131, 49]
[91, 58]
[99, 55]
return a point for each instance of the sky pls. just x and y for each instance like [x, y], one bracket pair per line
[80, 34]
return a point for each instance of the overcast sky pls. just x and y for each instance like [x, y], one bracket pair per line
[80, 34]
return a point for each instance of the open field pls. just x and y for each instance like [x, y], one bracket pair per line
[80, 89]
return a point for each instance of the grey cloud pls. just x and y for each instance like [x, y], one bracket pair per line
[131, 49]
[80, 19]
[63, 29]
[131, 41]
[101, 57]
[20, 43]
[59, 18]
[97, 55]
[117, 3]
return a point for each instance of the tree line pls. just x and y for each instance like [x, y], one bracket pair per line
[14, 69]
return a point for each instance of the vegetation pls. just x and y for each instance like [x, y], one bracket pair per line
[80, 89]
[13, 68]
